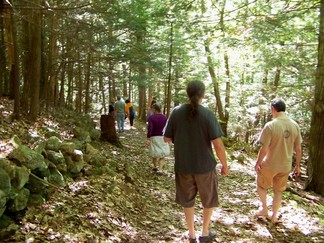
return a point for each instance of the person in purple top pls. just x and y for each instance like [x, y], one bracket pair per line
[157, 147]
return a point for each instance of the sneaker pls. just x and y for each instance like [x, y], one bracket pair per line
[159, 172]
[208, 238]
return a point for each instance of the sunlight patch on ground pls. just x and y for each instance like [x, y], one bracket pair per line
[242, 167]
[263, 231]
[77, 185]
[299, 220]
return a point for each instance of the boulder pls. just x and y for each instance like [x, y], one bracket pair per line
[8, 166]
[19, 202]
[91, 150]
[3, 201]
[67, 147]
[27, 157]
[82, 134]
[77, 155]
[57, 178]
[20, 178]
[5, 180]
[58, 159]
[36, 199]
[53, 143]
[74, 166]
[7, 227]
[40, 147]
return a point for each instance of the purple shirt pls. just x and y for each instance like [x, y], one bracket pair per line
[156, 123]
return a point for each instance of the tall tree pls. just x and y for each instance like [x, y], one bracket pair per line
[35, 58]
[316, 147]
[9, 23]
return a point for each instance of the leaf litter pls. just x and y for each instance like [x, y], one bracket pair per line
[137, 205]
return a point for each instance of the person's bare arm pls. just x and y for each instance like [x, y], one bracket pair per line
[221, 154]
[167, 140]
[298, 151]
[262, 153]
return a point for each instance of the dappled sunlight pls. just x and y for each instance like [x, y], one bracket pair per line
[262, 232]
[76, 186]
[130, 203]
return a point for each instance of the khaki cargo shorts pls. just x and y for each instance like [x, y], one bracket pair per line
[268, 177]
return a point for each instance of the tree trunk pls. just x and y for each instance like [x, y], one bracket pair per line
[27, 75]
[316, 147]
[103, 95]
[277, 77]
[88, 84]
[9, 24]
[108, 129]
[141, 99]
[51, 81]
[35, 63]
[2, 59]
[62, 86]
[265, 77]
[70, 74]
[168, 99]
[78, 100]
[227, 94]
[219, 106]
[124, 81]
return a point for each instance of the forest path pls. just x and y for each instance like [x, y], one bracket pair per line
[133, 204]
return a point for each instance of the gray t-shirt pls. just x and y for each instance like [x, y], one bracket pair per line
[120, 106]
[192, 138]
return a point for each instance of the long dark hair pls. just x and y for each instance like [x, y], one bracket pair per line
[195, 91]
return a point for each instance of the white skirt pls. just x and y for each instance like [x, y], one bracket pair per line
[158, 148]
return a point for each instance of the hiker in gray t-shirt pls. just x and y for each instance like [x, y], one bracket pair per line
[120, 113]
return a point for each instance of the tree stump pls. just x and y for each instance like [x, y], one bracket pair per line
[108, 129]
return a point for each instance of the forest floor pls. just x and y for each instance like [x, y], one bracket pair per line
[137, 205]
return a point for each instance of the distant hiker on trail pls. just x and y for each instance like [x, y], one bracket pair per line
[120, 113]
[130, 112]
[111, 108]
[193, 129]
[279, 138]
[157, 147]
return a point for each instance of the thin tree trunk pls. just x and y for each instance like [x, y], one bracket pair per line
[50, 86]
[35, 57]
[87, 88]
[227, 94]
[277, 77]
[26, 44]
[265, 77]
[78, 100]
[168, 94]
[219, 106]
[2, 58]
[9, 24]
[124, 81]
[62, 86]
[69, 97]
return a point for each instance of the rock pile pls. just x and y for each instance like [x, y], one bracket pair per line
[29, 175]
